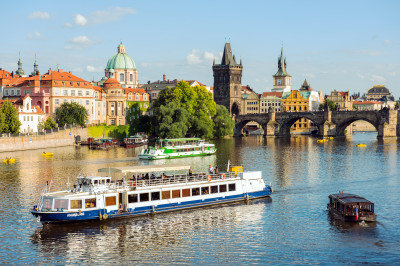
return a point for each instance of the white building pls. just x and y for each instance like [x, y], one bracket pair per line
[270, 99]
[29, 116]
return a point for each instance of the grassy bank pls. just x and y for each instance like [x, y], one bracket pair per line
[103, 131]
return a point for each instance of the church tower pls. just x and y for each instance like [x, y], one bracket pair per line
[228, 81]
[282, 80]
[20, 72]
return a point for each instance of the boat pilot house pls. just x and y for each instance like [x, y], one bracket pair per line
[350, 207]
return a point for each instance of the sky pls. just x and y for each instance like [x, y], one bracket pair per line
[335, 45]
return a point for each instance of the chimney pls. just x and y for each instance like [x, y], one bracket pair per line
[164, 77]
[168, 81]
[158, 81]
[60, 70]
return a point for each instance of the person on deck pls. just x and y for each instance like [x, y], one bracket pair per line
[210, 169]
[216, 170]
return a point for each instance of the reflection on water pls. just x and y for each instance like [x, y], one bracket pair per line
[290, 227]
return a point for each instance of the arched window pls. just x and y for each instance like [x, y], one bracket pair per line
[121, 77]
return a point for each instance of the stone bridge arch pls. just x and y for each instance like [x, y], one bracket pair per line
[242, 120]
[342, 121]
[287, 120]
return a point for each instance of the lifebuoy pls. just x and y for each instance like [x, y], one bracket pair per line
[209, 178]
[133, 184]
[223, 176]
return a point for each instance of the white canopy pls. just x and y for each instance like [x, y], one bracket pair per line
[144, 168]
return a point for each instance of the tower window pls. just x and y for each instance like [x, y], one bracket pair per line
[121, 77]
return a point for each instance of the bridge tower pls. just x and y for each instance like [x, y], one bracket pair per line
[228, 81]
[282, 80]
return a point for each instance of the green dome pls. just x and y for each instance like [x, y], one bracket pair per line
[121, 61]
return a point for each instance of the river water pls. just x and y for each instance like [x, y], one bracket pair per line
[290, 227]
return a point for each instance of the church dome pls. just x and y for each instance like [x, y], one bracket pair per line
[378, 89]
[121, 60]
[111, 84]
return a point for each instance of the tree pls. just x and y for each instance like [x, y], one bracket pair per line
[196, 101]
[327, 102]
[69, 113]
[171, 121]
[49, 123]
[223, 123]
[11, 122]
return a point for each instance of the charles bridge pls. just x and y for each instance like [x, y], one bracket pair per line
[329, 123]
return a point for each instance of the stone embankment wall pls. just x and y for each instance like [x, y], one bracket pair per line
[50, 140]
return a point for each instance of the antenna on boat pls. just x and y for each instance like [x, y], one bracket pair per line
[227, 168]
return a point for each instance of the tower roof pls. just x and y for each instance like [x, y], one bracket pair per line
[228, 58]
[305, 86]
[282, 66]
[121, 60]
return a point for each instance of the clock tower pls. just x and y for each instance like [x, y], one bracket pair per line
[228, 81]
[282, 80]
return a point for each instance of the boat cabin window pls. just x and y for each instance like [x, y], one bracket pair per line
[205, 190]
[60, 204]
[90, 203]
[195, 191]
[222, 188]
[111, 201]
[166, 194]
[144, 197]
[155, 195]
[47, 203]
[76, 204]
[176, 193]
[232, 187]
[186, 192]
[132, 198]
[214, 189]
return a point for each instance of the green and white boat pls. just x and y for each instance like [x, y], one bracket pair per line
[177, 148]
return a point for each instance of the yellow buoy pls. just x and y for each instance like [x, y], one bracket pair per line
[9, 160]
[48, 154]
[361, 145]
[330, 137]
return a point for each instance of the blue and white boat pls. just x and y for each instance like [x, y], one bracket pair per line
[146, 190]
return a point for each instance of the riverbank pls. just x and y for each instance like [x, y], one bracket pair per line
[50, 140]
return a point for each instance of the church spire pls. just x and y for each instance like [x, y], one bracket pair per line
[35, 68]
[227, 57]
[20, 72]
[282, 65]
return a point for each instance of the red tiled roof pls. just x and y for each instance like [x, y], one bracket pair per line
[111, 81]
[134, 90]
[5, 74]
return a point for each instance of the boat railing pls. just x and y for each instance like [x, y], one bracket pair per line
[180, 179]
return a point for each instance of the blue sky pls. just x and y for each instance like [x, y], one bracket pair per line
[342, 45]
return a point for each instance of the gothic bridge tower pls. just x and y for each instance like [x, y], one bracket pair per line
[228, 81]
[282, 80]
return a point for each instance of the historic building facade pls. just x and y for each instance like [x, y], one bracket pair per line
[270, 100]
[342, 99]
[282, 80]
[379, 92]
[121, 67]
[297, 101]
[228, 82]
[115, 102]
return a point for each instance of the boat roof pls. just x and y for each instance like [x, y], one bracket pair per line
[144, 168]
[179, 139]
[349, 198]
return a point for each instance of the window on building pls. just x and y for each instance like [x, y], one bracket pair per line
[12, 92]
[121, 77]
[87, 102]
[87, 93]
[57, 101]
[18, 92]
[79, 93]
[80, 101]
[65, 92]
[5, 92]
[72, 92]
[131, 77]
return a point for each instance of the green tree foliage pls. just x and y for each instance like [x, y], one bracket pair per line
[9, 115]
[49, 123]
[223, 123]
[171, 121]
[69, 113]
[142, 124]
[198, 104]
[326, 103]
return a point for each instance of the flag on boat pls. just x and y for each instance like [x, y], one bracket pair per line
[357, 213]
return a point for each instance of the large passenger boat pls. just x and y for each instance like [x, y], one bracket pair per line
[350, 207]
[146, 190]
[177, 148]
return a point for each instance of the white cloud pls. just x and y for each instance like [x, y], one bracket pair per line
[39, 15]
[102, 16]
[80, 20]
[94, 69]
[209, 55]
[80, 42]
[310, 75]
[110, 14]
[194, 57]
[377, 78]
[35, 36]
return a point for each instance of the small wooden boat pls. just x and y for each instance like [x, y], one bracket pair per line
[9, 160]
[351, 208]
[361, 145]
[47, 154]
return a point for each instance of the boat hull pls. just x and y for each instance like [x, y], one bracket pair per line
[65, 217]
[172, 156]
[352, 218]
